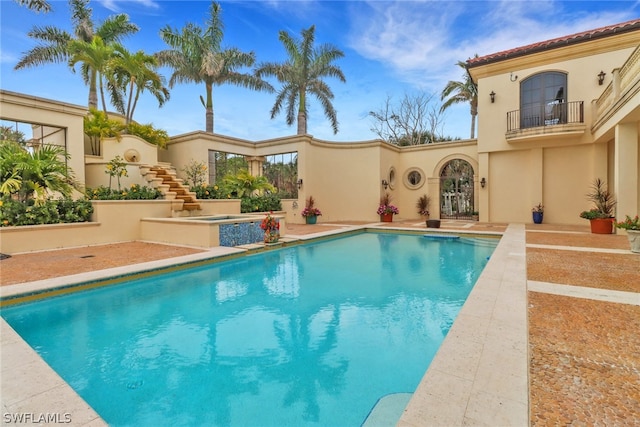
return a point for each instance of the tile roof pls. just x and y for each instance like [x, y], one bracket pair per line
[584, 36]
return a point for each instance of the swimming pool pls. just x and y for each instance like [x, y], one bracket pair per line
[313, 334]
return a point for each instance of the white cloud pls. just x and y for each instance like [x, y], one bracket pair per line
[119, 6]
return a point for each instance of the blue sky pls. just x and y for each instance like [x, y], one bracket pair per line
[391, 48]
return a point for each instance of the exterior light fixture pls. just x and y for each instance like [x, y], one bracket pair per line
[300, 183]
[512, 77]
[493, 96]
[483, 182]
[601, 75]
[385, 184]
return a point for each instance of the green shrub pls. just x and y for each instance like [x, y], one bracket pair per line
[266, 203]
[149, 133]
[135, 192]
[15, 213]
[209, 192]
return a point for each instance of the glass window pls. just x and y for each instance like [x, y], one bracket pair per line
[541, 99]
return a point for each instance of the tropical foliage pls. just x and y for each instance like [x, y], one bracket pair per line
[197, 56]
[303, 74]
[264, 203]
[135, 192]
[244, 184]
[463, 91]
[55, 44]
[133, 74]
[98, 126]
[210, 192]
[149, 133]
[15, 213]
[36, 5]
[34, 175]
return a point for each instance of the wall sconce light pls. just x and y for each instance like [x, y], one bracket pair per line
[601, 75]
[493, 96]
[385, 184]
[300, 183]
[483, 182]
[512, 77]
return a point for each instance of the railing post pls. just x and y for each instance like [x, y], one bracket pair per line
[615, 83]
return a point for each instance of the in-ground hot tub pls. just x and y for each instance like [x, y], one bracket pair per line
[207, 231]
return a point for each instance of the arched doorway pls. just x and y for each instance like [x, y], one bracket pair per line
[456, 190]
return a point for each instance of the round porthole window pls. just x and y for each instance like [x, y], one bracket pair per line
[414, 178]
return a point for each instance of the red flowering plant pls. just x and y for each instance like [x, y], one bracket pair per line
[386, 207]
[629, 223]
[270, 224]
[310, 209]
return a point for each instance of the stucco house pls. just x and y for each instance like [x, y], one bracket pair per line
[553, 116]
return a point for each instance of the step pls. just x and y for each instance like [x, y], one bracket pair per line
[185, 198]
[191, 206]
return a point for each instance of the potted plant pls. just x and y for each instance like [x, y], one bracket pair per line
[601, 216]
[632, 227]
[271, 228]
[422, 205]
[537, 212]
[310, 212]
[386, 210]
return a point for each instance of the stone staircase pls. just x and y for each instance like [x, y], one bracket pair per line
[163, 177]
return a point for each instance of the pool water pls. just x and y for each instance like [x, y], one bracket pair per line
[313, 334]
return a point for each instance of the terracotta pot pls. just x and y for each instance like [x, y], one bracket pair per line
[602, 225]
[386, 217]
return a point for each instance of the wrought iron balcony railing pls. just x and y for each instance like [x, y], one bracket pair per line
[551, 114]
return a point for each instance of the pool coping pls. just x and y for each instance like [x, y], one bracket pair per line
[479, 375]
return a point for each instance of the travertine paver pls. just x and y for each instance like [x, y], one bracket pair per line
[591, 269]
[584, 366]
[585, 362]
[44, 265]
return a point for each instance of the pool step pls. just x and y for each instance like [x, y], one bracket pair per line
[387, 410]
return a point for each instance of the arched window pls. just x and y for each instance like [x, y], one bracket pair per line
[543, 99]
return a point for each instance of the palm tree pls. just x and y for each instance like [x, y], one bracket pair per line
[36, 5]
[135, 73]
[95, 57]
[54, 42]
[464, 91]
[197, 56]
[303, 74]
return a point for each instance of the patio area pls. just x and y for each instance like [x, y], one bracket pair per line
[583, 311]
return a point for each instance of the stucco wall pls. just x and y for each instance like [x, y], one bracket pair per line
[31, 109]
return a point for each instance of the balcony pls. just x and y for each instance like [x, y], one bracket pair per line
[557, 118]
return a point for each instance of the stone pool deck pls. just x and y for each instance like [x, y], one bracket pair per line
[548, 336]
